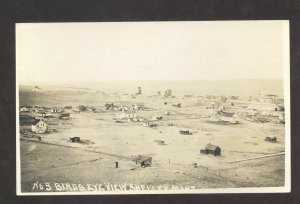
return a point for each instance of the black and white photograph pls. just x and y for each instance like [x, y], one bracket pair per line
[173, 107]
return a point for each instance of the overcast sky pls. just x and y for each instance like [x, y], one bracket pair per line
[66, 52]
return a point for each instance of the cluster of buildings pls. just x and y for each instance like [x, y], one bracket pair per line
[122, 107]
[39, 117]
[225, 110]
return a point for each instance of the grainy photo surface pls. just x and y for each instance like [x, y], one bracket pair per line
[153, 107]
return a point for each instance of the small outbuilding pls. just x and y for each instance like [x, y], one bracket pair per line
[75, 139]
[211, 149]
[24, 109]
[271, 139]
[160, 142]
[185, 132]
[65, 116]
[178, 105]
[145, 161]
[150, 124]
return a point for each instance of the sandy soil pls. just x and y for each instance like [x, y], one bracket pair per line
[172, 163]
[56, 159]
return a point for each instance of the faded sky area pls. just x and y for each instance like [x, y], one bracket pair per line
[70, 52]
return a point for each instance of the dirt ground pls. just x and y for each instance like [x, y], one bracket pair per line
[57, 164]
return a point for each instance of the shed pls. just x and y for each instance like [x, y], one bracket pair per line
[211, 149]
[75, 139]
[185, 132]
[143, 160]
[65, 116]
[271, 139]
[160, 142]
[177, 105]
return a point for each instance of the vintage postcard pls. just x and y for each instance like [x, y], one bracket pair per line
[153, 107]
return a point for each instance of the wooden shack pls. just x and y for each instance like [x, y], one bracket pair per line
[271, 139]
[185, 132]
[75, 139]
[211, 149]
[65, 116]
[145, 161]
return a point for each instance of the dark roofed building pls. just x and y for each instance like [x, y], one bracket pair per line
[211, 149]
[26, 120]
[143, 160]
[185, 132]
[65, 116]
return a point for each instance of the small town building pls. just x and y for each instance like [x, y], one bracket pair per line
[211, 149]
[109, 106]
[40, 127]
[160, 142]
[271, 139]
[126, 115]
[229, 117]
[150, 124]
[234, 97]
[44, 114]
[24, 109]
[75, 139]
[56, 110]
[65, 116]
[82, 108]
[145, 161]
[178, 105]
[263, 106]
[185, 132]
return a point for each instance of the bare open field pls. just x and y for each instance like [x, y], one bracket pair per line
[56, 160]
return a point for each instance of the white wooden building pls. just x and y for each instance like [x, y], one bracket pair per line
[126, 115]
[39, 127]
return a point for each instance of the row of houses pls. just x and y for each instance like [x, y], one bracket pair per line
[265, 106]
[39, 109]
[38, 124]
[118, 107]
